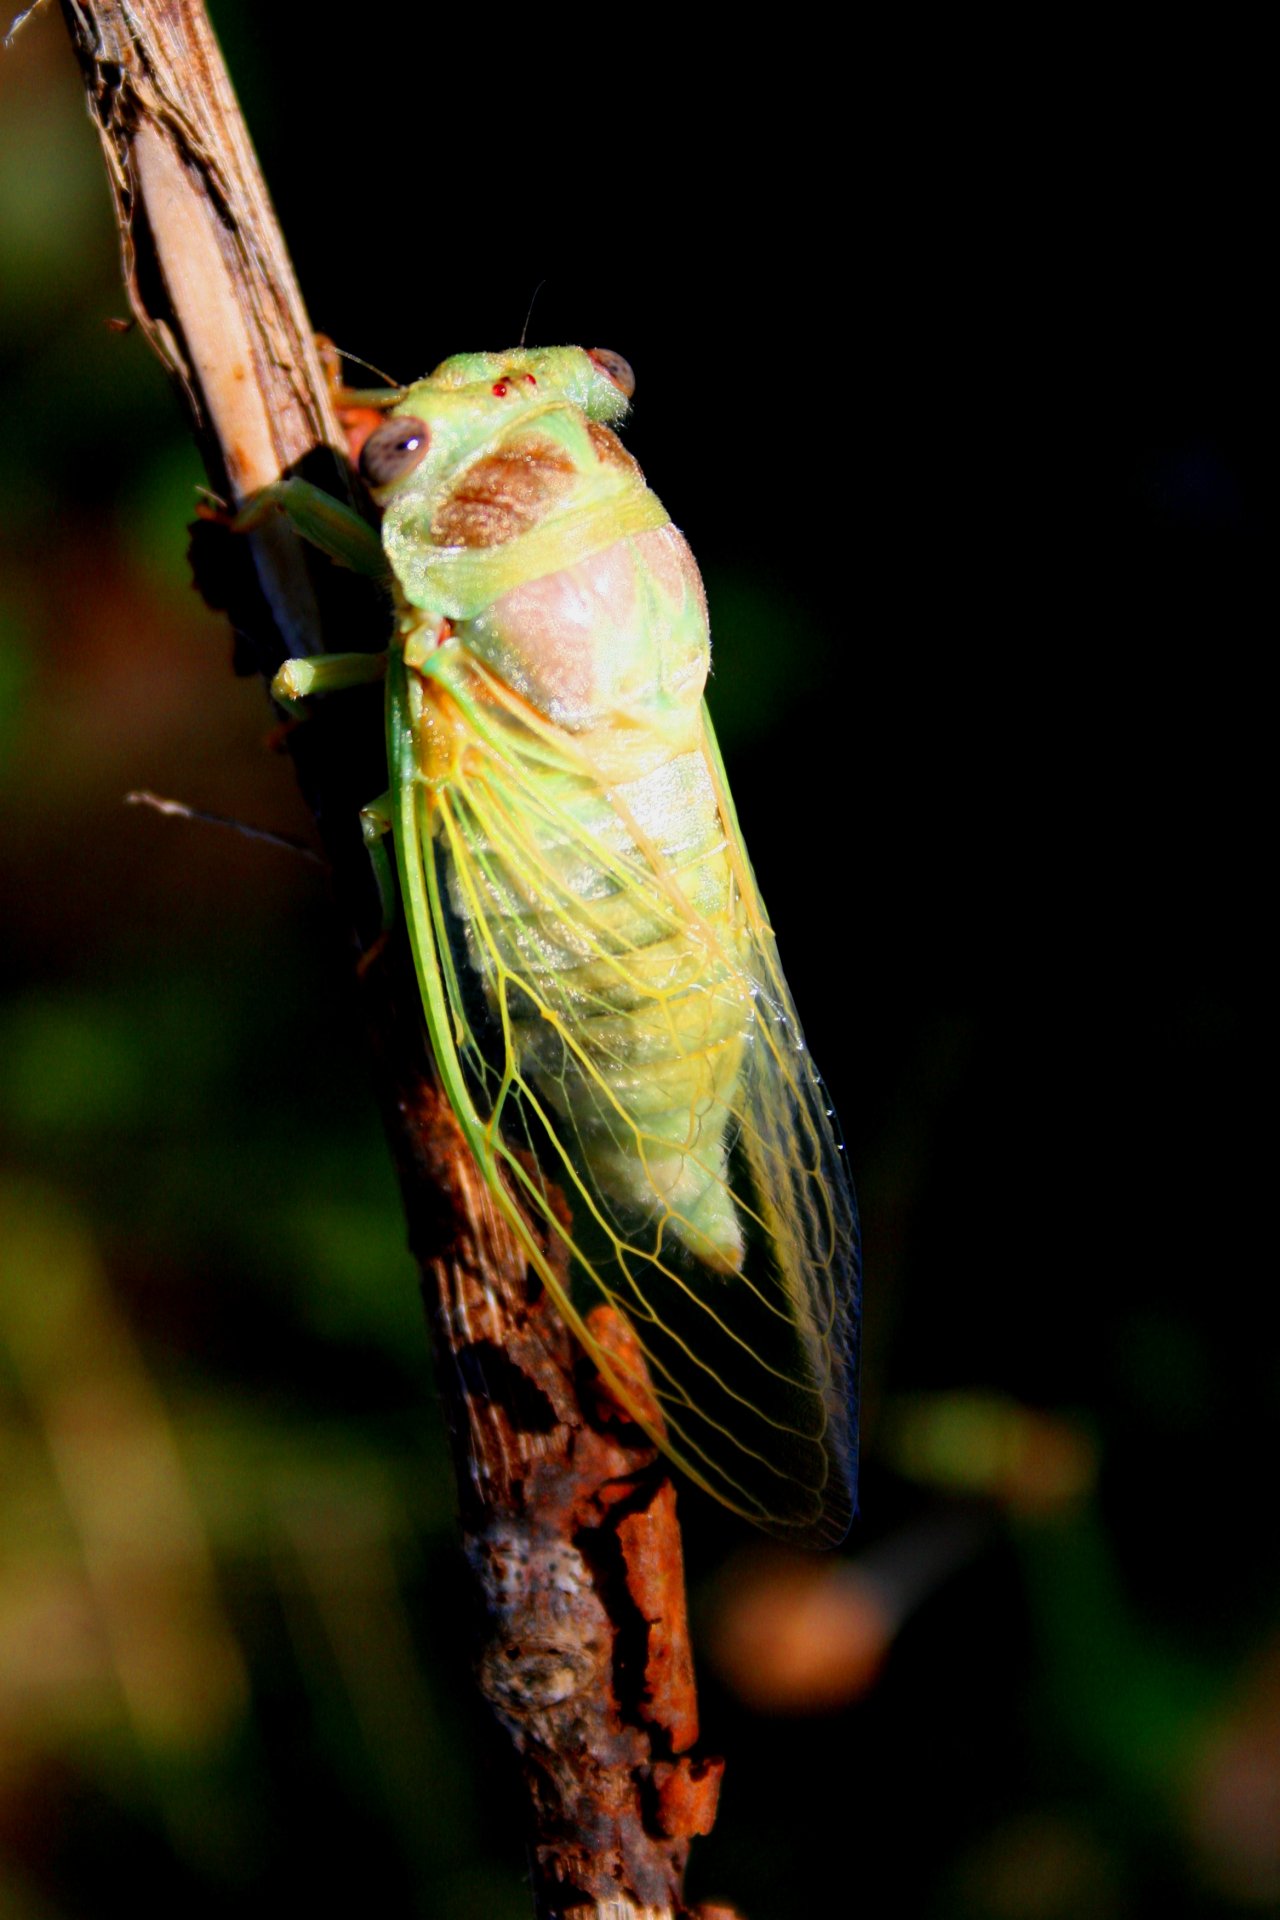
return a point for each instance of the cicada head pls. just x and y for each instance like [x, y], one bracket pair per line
[596, 380]
[477, 401]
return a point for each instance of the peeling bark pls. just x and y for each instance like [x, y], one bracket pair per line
[569, 1524]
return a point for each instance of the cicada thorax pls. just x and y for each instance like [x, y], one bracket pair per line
[566, 789]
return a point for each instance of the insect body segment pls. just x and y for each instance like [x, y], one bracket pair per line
[601, 985]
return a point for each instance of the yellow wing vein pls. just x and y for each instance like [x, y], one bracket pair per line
[645, 1049]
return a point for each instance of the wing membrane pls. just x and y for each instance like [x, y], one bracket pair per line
[626, 999]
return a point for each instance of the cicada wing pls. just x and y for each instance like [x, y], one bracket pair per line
[800, 1181]
[571, 979]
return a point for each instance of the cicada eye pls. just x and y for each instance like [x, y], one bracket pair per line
[393, 449]
[618, 369]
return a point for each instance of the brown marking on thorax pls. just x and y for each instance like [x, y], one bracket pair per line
[610, 451]
[503, 494]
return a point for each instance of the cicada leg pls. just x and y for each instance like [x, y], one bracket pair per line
[375, 824]
[319, 519]
[317, 673]
[359, 409]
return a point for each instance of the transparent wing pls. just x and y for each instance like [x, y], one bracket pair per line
[610, 1020]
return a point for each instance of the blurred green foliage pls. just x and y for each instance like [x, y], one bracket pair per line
[984, 581]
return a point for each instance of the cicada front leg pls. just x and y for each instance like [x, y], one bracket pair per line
[318, 673]
[320, 520]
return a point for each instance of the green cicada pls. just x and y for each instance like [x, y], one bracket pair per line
[600, 982]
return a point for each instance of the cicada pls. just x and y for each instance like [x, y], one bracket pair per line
[600, 982]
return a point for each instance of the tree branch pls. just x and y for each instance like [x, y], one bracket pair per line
[568, 1516]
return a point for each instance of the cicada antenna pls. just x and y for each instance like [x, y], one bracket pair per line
[369, 367]
[529, 315]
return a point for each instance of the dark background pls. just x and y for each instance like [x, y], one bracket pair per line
[950, 353]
